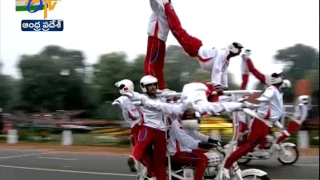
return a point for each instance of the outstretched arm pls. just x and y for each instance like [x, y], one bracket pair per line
[224, 81]
[245, 73]
[255, 72]
[170, 109]
[219, 107]
[303, 113]
[217, 73]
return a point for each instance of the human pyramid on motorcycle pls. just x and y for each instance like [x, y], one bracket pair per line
[165, 135]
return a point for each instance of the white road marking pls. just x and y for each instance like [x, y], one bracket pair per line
[307, 165]
[34, 150]
[91, 173]
[55, 158]
[104, 153]
[310, 157]
[26, 155]
[70, 152]
[68, 171]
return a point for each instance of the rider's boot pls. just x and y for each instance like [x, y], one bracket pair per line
[226, 173]
[261, 153]
[150, 178]
[277, 147]
[132, 164]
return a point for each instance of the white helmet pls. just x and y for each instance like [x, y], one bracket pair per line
[285, 84]
[247, 53]
[303, 99]
[275, 78]
[235, 47]
[146, 80]
[192, 124]
[125, 86]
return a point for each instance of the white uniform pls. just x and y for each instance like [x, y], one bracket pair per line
[169, 110]
[272, 108]
[300, 113]
[216, 62]
[176, 110]
[244, 65]
[183, 140]
[152, 117]
[196, 94]
[158, 24]
[130, 113]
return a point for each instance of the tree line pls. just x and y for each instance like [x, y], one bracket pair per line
[59, 79]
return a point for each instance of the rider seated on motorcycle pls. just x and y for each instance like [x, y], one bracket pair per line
[187, 145]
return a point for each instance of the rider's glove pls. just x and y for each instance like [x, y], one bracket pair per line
[133, 96]
[249, 105]
[219, 89]
[213, 141]
[203, 145]
[243, 99]
[116, 103]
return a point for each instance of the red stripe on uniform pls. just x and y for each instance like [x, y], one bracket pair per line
[204, 59]
[142, 118]
[268, 114]
[177, 146]
[204, 113]
[131, 116]
[156, 29]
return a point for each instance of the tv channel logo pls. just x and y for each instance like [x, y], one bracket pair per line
[34, 6]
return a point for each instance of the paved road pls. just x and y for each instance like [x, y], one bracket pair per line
[52, 165]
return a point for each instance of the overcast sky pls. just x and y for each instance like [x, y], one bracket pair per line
[102, 26]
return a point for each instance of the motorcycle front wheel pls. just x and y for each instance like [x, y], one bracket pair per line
[255, 177]
[290, 156]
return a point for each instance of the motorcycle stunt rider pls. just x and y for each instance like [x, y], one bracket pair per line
[152, 131]
[186, 143]
[158, 31]
[270, 111]
[130, 113]
[210, 59]
[299, 116]
[244, 121]
[181, 132]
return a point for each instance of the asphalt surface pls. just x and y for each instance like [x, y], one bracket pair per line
[52, 165]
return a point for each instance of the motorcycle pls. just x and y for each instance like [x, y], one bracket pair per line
[286, 153]
[217, 159]
[218, 156]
